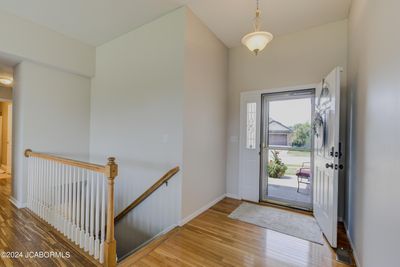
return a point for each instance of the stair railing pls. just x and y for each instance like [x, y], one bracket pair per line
[163, 180]
[76, 198]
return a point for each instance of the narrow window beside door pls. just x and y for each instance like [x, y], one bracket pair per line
[251, 126]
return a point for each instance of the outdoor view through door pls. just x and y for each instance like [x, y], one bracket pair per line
[287, 142]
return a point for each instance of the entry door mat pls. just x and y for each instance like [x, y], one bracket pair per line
[283, 221]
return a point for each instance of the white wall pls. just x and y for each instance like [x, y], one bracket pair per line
[50, 114]
[296, 59]
[136, 113]
[205, 104]
[374, 63]
[25, 40]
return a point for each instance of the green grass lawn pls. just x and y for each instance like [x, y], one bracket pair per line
[292, 168]
[299, 153]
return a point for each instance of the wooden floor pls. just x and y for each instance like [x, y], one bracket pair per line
[21, 231]
[213, 239]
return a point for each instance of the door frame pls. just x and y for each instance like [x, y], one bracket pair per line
[259, 94]
[264, 157]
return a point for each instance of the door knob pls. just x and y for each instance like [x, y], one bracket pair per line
[327, 165]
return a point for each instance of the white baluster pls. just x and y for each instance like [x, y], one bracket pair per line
[56, 188]
[64, 197]
[46, 190]
[67, 187]
[29, 183]
[78, 205]
[41, 212]
[51, 192]
[74, 204]
[91, 243]
[70, 202]
[82, 224]
[97, 220]
[87, 236]
[35, 186]
[59, 197]
[103, 218]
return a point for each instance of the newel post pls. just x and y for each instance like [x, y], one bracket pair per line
[110, 246]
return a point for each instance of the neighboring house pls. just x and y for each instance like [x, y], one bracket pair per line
[279, 134]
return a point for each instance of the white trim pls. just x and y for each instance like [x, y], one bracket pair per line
[201, 210]
[234, 196]
[258, 94]
[352, 245]
[281, 89]
[16, 203]
[166, 230]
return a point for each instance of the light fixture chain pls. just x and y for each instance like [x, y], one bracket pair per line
[257, 20]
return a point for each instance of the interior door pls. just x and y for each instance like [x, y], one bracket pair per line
[249, 166]
[327, 154]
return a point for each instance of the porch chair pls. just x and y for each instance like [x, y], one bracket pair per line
[303, 174]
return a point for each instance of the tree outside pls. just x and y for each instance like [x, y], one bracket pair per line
[301, 135]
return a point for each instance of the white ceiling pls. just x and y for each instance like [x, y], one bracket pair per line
[98, 21]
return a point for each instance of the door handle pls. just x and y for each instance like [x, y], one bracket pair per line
[327, 165]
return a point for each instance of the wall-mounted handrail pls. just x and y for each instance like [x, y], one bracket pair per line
[165, 178]
[77, 198]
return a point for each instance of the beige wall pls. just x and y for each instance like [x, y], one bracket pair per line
[296, 59]
[32, 42]
[155, 107]
[136, 116]
[374, 66]
[51, 113]
[205, 103]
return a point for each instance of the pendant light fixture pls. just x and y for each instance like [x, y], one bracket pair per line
[256, 41]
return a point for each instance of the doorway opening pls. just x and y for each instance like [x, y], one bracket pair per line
[287, 145]
[5, 138]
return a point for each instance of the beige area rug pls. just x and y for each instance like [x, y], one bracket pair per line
[283, 221]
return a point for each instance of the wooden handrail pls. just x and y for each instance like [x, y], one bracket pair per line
[71, 162]
[147, 193]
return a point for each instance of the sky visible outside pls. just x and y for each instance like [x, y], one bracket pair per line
[291, 112]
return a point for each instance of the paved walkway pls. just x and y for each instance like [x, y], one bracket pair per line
[285, 188]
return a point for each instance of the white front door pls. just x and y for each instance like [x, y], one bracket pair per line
[249, 168]
[327, 154]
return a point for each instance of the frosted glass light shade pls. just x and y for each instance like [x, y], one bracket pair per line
[6, 80]
[257, 41]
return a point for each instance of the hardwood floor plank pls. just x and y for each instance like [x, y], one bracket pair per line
[213, 239]
[22, 231]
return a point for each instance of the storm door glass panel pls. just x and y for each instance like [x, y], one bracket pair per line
[287, 164]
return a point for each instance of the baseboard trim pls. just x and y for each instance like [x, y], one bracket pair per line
[352, 245]
[201, 210]
[234, 196]
[16, 203]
